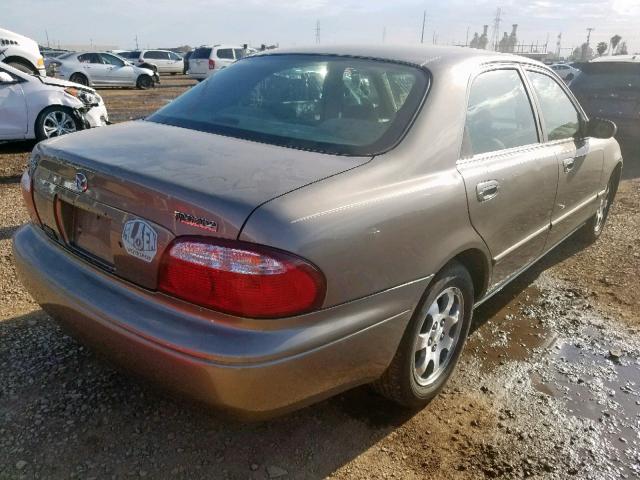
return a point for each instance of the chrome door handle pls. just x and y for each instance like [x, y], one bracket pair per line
[487, 190]
[568, 164]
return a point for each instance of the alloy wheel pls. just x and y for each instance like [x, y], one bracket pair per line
[438, 336]
[601, 213]
[58, 122]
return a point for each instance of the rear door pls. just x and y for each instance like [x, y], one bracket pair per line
[510, 177]
[13, 110]
[158, 58]
[199, 61]
[224, 57]
[579, 163]
[95, 68]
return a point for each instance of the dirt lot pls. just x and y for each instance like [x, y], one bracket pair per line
[548, 387]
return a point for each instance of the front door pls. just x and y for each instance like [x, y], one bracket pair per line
[579, 163]
[510, 177]
[13, 110]
[118, 72]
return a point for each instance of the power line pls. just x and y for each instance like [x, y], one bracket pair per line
[424, 21]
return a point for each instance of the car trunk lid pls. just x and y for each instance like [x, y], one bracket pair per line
[118, 196]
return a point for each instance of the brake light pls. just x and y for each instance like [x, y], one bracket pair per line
[212, 64]
[240, 278]
[26, 186]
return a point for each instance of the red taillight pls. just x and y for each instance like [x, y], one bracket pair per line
[240, 278]
[26, 186]
[212, 64]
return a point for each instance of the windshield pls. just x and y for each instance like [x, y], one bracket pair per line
[333, 104]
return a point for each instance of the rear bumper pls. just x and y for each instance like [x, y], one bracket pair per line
[253, 368]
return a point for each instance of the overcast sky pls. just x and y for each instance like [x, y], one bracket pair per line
[292, 22]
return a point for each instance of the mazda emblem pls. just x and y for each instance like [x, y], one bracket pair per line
[81, 182]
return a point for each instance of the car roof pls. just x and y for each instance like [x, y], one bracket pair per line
[433, 57]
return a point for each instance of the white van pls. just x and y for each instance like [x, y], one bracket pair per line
[21, 52]
[205, 61]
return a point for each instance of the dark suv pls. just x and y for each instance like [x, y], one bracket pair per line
[612, 90]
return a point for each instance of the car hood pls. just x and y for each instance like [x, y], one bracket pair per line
[155, 170]
[57, 82]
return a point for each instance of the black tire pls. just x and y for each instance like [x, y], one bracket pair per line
[79, 78]
[64, 112]
[569, 77]
[399, 383]
[594, 227]
[23, 67]
[144, 82]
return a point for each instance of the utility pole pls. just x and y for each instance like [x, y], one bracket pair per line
[47, 34]
[466, 42]
[589, 30]
[318, 31]
[424, 21]
[559, 45]
[137, 48]
[384, 34]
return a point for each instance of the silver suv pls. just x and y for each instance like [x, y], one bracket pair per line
[205, 61]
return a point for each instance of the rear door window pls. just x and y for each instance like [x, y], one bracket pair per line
[499, 114]
[560, 116]
[225, 53]
[89, 58]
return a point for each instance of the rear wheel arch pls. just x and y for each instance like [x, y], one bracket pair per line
[478, 265]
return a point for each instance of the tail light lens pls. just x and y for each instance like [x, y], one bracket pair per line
[212, 64]
[26, 186]
[240, 278]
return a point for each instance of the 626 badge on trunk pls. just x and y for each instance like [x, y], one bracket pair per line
[140, 240]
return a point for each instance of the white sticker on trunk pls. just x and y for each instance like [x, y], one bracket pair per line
[140, 240]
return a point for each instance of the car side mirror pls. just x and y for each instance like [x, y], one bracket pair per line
[601, 128]
[6, 78]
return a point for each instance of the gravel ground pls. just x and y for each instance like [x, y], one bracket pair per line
[548, 386]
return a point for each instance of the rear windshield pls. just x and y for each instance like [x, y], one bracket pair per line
[201, 52]
[608, 76]
[333, 104]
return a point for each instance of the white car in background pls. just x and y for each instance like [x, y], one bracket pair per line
[161, 61]
[21, 52]
[565, 72]
[44, 107]
[205, 61]
[102, 69]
